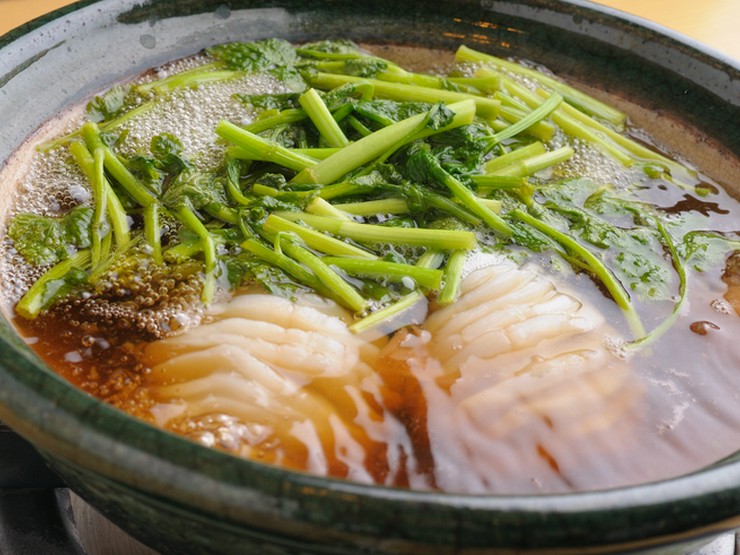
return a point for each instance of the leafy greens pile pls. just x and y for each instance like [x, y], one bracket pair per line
[365, 182]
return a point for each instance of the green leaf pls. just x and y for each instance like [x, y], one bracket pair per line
[269, 101]
[195, 190]
[625, 230]
[440, 116]
[330, 48]
[76, 225]
[703, 250]
[109, 105]
[45, 240]
[462, 150]
[366, 66]
[55, 283]
[291, 78]
[385, 112]
[252, 57]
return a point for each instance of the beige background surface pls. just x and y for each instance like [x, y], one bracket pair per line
[715, 23]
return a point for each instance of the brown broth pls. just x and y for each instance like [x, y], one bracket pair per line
[684, 416]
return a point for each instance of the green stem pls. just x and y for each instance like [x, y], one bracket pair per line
[452, 277]
[374, 207]
[666, 324]
[232, 186]
[492, 204]
[542, 130]
[341, 290]
[400, 206]
[430, 259]
[285, 263]
[358, 126]
[437, 239]
[480, 86]
[222, 212]
[116, 168]
[433, 200]
[110, 124]
[317, 153]
[484, 107]
[321, 117]
[594, 265]
[265, 191]
[290, 115]
[116, 213]
[570, 125]
[321, 207]
[514, 156]
[259, 148]
[585, 102]
[152, 231]
[188, 217]
[530, 166]
[189, 78]
[468, 199]
[539, 113]
[38, 296]
[343, 189]
[387, 313]
[424, 277]
[369, 148]
[315, 239]
[634, 148]
[492, 182]
[99, 206]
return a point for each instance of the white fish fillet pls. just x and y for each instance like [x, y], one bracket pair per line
[267, 360]
[531, 380]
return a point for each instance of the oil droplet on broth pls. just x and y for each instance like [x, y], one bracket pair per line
[223, 12]
[148, 41]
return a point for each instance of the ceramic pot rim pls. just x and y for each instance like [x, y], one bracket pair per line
[67, 423]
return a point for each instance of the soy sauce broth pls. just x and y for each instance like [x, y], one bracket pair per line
[685, 417]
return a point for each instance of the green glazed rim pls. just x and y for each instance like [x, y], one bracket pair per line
[75, 429]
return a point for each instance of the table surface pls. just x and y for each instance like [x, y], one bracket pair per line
[712, 22]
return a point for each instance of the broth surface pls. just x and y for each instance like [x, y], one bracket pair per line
[668, 409]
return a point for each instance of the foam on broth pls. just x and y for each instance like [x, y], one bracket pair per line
[678, 414]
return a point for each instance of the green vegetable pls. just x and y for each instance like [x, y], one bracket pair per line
[529, 120]
[322, 118]
[255, 147]
[577, 98]
[424, 277]
[367, 183]
[439, 239]
[43, 241]
[453, 275]
[373, 146]
[703, 250]
[333, 282]
[485, 107]
[385, 316]
[191, 78]
[54, 284]
[422, 166]
[109, 105]
[115, 210]
[315, 239]
[253, 57]
[592, 263]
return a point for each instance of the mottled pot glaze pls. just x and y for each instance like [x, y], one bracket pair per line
[182, 498]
